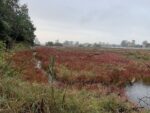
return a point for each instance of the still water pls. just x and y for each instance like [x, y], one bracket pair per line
[139, 93]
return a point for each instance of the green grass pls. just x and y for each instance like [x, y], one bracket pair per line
[17, 96]
[138, 55]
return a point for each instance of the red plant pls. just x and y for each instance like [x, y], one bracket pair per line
[109, 67]
[25, 63]
[87, 68]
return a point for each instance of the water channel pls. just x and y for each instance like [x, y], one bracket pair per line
[139, 93]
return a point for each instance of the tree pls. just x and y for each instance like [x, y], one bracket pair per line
[24, 27]
[57, 43]
[145, 42]
[124, 43]
[15, 23]
[49, 44]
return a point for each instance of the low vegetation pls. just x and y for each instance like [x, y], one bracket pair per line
[23, 89]
[109, 67]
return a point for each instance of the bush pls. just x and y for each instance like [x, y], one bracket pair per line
[5, 63]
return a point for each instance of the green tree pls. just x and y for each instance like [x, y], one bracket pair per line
[15, 23]
[49, 44]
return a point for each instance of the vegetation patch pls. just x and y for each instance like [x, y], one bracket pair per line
[95, 88]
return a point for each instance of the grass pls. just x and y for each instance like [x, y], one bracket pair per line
[22, 97]
[139, 55]
[34, 95]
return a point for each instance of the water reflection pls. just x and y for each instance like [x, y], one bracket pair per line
[139, 93]
[38, 65]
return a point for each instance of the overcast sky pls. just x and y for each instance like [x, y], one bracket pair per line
[90, 20]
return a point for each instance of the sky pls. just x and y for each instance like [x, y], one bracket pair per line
[109, 21]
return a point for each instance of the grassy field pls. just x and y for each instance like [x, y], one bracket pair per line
[82, 80]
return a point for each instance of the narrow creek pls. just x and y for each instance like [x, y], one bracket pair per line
[38, 65]
[139, 93]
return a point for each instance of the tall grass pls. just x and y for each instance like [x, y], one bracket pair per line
[22, 97]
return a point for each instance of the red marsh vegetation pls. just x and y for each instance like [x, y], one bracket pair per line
[108, 70]
[108, 67]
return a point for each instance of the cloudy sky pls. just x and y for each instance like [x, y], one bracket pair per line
[90, 20]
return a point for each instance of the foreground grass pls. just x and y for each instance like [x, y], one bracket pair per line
[17, 96]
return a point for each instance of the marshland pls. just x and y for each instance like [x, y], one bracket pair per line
[40, 75]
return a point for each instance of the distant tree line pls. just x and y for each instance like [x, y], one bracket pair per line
[77, 44]
[126, 43]
[15, 23]
[50, 43]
